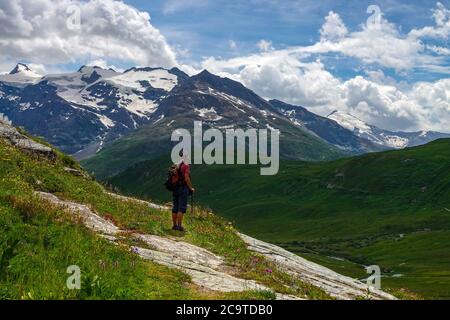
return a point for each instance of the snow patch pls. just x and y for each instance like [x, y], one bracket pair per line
[253, 119]
[135, 78]
[208, 114]
[107, 122]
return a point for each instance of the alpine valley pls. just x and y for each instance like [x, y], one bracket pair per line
[348, 194]
[121, 118]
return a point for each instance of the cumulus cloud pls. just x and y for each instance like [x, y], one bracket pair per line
[290, 75]
[43, 30]
[441, 17]
[383, 45]
[333, 28]
[425, 105]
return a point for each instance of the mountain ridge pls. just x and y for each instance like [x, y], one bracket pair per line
[85, 111]
[387, 138]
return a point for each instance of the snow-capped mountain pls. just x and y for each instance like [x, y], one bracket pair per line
[220, 103]
[21, 76]
[327, 129]
[389, 139]
[81, 111]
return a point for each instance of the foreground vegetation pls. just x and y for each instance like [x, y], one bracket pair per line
[390, 208]
[38, 242]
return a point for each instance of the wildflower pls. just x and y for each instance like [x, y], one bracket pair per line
[268, 270]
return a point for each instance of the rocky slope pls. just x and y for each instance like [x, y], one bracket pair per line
[208, 270]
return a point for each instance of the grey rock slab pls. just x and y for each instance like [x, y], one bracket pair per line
[15, 138]
[335, 284]
[89, 219]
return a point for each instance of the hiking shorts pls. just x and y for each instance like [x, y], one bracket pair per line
[180, 200]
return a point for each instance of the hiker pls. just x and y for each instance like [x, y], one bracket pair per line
[179, 182]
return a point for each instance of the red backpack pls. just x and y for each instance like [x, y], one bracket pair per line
[174, 177]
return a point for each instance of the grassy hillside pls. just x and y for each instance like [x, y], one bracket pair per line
[390, 208]
[38, 241]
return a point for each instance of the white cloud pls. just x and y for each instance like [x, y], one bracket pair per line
[37, 31]
[379, 100]
[265, 45]
[38, 68]
[441, 30]
[384, 46]
[333, 28]
[173, 6]
[289, 75]
[102, 63]
[383, 105]
[439, 50]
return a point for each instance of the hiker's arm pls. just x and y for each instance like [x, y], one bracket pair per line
[187, 178]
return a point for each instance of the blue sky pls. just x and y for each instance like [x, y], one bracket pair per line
[393, 72]
[205, 28]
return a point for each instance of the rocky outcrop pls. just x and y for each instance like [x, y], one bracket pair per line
[75, 172]
[88, 218]
[15, 138]
[204, 267]
[151, 205]
[208, 270]
[335, 284]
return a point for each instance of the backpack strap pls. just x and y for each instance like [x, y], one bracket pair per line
[181, 175]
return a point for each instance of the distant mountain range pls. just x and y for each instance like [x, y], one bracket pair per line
[389, 139]
[87, 111]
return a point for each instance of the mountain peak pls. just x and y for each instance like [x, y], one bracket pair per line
[143, 69]
[19, 68]
[86, 68]
[332, 112]
[205, 72]
[206, 76]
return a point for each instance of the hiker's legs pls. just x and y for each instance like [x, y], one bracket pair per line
[174, 218]
[182, 206]
[175, 205]
[180, 219]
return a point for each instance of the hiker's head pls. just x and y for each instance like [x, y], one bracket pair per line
[183, 155]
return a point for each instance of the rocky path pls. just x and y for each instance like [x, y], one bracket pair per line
[208, 270]
[204, 267]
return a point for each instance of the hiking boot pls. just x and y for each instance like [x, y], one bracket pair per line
[180, 228]
[175, 228]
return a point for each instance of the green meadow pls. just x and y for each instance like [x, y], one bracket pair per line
[390, 208]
